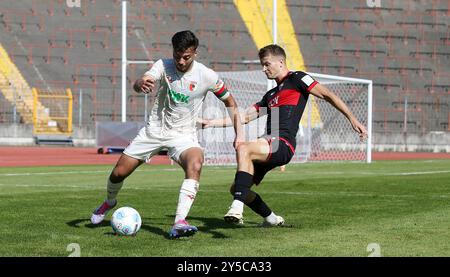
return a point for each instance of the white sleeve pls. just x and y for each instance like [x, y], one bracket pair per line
[156, 71]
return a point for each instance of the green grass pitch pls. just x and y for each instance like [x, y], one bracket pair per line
[331, 209]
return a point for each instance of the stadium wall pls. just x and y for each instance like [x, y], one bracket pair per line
[22, 135]
[84, 136]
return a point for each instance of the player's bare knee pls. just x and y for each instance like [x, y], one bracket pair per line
[117, 175]
[114, 178]
[195, 166]
[243, 150]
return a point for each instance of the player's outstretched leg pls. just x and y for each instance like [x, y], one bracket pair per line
[124, 167]
[255, 202]
[100, 212]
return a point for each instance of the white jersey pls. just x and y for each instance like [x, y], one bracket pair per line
[180, 97]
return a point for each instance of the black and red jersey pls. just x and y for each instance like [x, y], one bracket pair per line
[285, 104]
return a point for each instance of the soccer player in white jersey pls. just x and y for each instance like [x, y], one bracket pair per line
[182, 87]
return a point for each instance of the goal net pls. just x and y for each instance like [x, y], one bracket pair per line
[324, 133]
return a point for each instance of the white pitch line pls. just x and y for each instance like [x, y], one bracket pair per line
[418, 173]
[300, 193]
[373, 173]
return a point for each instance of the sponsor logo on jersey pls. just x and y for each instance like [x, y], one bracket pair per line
[274, 101]
[178, 97]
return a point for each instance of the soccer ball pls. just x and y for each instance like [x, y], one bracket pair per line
[126, 221]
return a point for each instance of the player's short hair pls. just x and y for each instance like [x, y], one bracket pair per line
[271, 49]
[184, 40]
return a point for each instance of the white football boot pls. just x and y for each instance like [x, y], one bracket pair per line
[279, 222]
[234, 216]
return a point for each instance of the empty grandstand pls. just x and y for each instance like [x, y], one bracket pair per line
[403, 46]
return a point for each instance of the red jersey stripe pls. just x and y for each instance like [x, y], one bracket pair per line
[285, 97]
[312, 85]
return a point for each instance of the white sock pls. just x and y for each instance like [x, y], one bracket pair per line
[238, 205]
[112, 190]
[272, 218]
[187, 195]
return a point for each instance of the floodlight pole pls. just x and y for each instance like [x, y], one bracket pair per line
[124, 61]
[271, 83]
[274, 22]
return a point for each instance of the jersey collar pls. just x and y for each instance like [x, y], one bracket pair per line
[285, 77]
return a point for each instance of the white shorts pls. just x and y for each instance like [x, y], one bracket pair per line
[144, 146]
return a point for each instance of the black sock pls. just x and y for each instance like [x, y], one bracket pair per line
[242, 183]
[259, 206]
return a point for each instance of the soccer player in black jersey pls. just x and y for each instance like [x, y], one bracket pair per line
[284, 106]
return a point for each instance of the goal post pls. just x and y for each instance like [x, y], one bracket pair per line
[324, 133]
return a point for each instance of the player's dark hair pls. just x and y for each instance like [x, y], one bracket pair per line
[271, 49]
[184, 40]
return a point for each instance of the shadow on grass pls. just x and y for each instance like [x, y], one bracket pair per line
[149, 227]
[77, 222]
[212, 224]
[86, 222]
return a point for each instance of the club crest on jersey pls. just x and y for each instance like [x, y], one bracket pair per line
[192, 86]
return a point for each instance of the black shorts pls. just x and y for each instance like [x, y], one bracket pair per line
[281, 153]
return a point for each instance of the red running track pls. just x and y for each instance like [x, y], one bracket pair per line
[46, 156]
